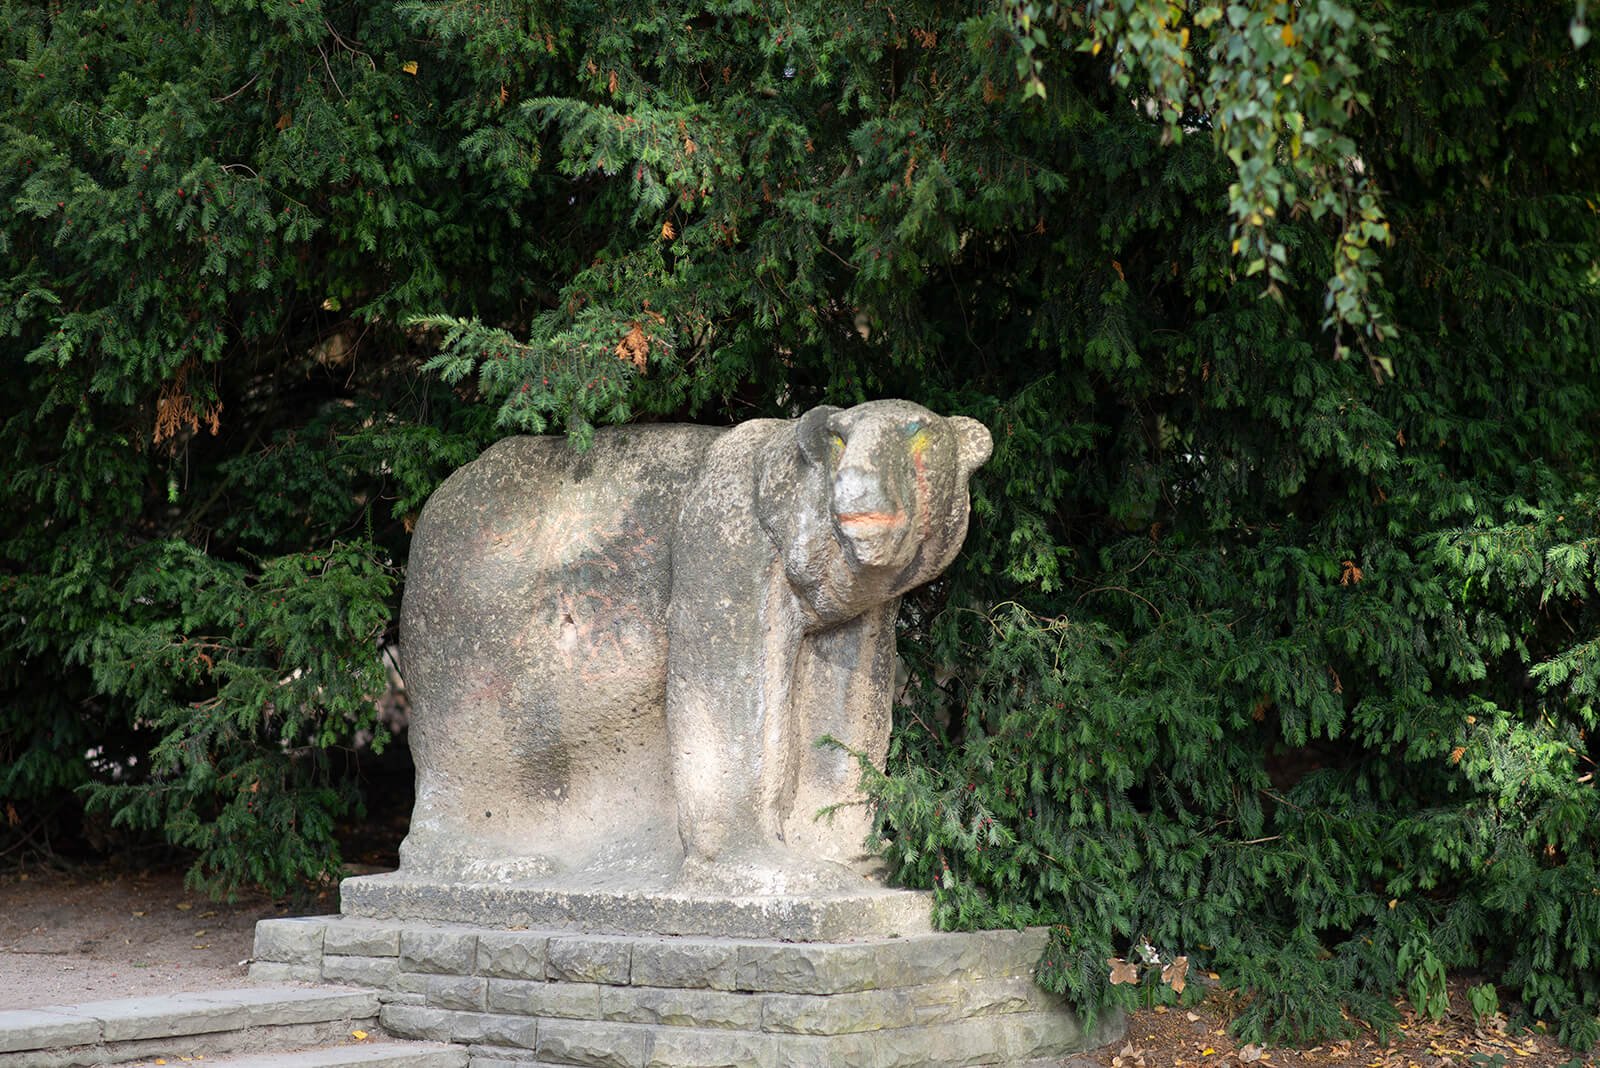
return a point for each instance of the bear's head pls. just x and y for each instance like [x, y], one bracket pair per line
[870, 502]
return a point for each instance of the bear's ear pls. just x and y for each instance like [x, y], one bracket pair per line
[973, 443]
[812, 433]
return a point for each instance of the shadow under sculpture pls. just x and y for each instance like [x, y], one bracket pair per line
[619, 660]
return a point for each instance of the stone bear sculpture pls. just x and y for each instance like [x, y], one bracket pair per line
[619, 660]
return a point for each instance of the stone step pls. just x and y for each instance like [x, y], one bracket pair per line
[382, 1054]
[404, 957]
[500, 1041]
[179, 1026]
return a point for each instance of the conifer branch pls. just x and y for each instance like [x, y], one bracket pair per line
[331, 76]
[236, 92]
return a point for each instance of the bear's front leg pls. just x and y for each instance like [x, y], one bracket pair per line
[734, 634]
[729, 673]
[844, 690]
[730, 681]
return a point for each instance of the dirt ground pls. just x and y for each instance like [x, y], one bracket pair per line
[69, 938]
[1198, 1038]
[95, 935]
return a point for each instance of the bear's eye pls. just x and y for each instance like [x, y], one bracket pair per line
[835, 447]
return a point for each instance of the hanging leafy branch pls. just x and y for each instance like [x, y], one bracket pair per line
[1275, 86]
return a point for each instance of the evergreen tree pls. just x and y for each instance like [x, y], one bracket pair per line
[1273, 647]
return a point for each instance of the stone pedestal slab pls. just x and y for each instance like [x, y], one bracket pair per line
[867, 911]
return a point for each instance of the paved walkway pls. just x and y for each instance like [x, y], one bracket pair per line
[261, 1027]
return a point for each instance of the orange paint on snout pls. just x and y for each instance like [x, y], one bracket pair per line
[871, 519]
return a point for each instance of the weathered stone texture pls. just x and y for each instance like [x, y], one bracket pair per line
[447, 952]
[464, 992]
[589, 959]
[619, 660]
[681, 1008]
[362, 971]
[580, 1001]
[297, 941]
[512, 954]
[362, 940]
[598, 1045]
[686, 963]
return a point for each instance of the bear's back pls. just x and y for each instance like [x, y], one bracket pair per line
[533, 628]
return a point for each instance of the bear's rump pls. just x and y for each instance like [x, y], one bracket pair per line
[535, 642]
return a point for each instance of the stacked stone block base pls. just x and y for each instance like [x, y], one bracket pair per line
[522, 998]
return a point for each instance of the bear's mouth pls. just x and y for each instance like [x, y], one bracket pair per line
[875, 538]
[871, 520]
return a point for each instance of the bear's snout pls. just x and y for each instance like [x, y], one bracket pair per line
[871, 513]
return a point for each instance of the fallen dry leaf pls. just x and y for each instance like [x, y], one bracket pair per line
[1122, 971]
[1174, 974]
[1128, 1058]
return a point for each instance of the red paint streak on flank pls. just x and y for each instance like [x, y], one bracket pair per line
[870, 518]
[919, 464]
